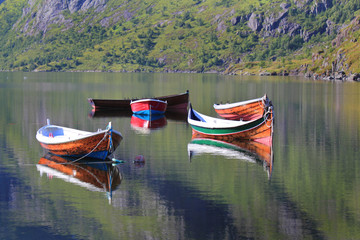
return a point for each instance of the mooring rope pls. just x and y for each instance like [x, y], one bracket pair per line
[266, 117]
[106, 134]
[264, 103]
[82, 157]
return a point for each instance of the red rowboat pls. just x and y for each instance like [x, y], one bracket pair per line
[148, 106]
[64, 141]
[176, 102]
[245, 110]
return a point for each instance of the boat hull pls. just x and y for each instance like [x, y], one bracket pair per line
[259, 130]
[175, 103]
[96, 146]
[148, 106]
[204, 126]
[246, 110]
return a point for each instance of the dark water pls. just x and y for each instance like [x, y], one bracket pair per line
[313, 192]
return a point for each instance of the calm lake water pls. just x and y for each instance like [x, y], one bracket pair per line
[313, 191]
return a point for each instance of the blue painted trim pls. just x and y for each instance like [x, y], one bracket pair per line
[148, 117]
[149, 112]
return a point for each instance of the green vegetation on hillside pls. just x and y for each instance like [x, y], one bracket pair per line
[171, 36]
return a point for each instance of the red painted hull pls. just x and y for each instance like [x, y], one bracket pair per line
[148, 106]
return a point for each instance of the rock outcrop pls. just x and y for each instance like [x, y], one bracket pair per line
[49, 12]
[320, 6]
[255, 22]
[273, 23]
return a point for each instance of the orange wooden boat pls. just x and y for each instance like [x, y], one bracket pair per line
[226, 130]
[245, 110]
[64, 141]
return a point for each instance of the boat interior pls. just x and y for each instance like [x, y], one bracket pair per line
[52, 132]
[195, 116]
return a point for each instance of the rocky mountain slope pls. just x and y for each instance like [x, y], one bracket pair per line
[296, 36]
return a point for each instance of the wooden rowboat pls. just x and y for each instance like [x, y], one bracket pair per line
[88, 172]
[222, 129]
[245, 110]
[249, 151]
[176, 102]
[148, 106]
[65, 141]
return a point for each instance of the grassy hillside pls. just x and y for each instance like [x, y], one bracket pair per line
[175, 35]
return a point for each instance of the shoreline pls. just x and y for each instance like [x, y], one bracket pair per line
[337, 76]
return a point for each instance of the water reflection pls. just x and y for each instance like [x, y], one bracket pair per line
[89, 173]
[175, 116]
[109, 113]
[144, 124]
[251, 151]
[314, 192]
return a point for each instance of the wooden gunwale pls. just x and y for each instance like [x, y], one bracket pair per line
[245, 110]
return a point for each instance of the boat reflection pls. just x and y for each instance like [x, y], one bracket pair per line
[251, 151]
[180, 116]
[90, 173]
[144, 124]
[109, 113]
